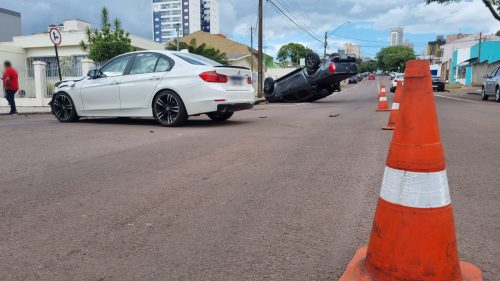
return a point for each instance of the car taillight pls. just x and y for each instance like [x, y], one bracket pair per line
[249, 80]
[213, 77]
[332, 68]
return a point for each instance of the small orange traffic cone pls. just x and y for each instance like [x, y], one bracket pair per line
[383, 105]
[382, 90]
[395, 108]
[413, 234]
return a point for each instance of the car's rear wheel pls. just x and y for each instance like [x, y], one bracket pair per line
[269, 85]
[169, 110]
[484, 96]
[497, 94]
[220, 116]
[312, 62]
[64, 108]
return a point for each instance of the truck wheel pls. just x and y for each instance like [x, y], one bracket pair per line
[312, 62]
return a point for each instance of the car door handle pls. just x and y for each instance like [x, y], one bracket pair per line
[115, 83]
[155, 78]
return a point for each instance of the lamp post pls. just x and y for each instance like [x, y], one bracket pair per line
[331, 33]
[177, 28]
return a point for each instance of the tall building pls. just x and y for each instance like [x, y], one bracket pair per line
[210, 16]
[13, 21]
[397, 36]
[352, 50]
[187, 15]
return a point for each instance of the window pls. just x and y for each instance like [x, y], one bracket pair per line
[495, 72]
[115, 67]
[144, 63]
[197, 59]
[163, 65]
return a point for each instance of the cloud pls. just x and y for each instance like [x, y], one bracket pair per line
[372, 18]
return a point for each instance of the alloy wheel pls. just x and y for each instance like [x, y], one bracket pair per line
[498, 95]
[167, 108]
[63, 108]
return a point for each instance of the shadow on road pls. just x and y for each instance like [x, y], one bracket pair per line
[151, 122]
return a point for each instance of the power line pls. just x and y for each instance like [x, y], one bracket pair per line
[295, 15]
[294, 22]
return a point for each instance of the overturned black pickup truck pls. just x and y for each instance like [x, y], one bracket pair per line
[317, 80]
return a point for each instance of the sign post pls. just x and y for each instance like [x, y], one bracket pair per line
[55, 37]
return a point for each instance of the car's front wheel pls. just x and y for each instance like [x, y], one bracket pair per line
[484, 96]
[497, 94]
[220, 116]
[169, 110]
[64, 108]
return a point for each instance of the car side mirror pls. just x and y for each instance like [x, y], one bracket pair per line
[94, 73]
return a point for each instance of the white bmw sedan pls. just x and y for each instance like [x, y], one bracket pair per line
[168, 86]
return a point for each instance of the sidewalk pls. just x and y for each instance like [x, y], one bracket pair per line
[26, 109]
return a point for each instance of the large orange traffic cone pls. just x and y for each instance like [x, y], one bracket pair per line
[383, 105]
[413, 233]
[395, 107]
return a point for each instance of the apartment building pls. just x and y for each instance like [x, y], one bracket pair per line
[184, 17]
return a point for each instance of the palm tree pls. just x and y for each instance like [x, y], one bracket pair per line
[202, 50]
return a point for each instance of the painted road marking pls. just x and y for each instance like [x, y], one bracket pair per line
[459, 99]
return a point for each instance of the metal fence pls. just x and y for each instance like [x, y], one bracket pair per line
[26, 84]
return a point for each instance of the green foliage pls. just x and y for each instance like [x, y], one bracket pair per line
[202, 50]
[367, 66]
[108, 42]
[391, 58]
[498, 33]
[291, 52]
[492, 5]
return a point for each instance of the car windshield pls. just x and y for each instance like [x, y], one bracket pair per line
[400, 77]
[197, 59]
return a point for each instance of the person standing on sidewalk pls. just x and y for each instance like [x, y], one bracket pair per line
[11, 85]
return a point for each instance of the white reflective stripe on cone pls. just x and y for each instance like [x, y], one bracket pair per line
[395, 106]
[382, 90]
[418, 190]
[383, 98]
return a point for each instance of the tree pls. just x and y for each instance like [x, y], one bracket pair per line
[367, 66]
[108, 42]
[498, 33]
[394, 58]
[202, 50]
[292, 52]
[492, 5]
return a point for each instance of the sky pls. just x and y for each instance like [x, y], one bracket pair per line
[369, 24]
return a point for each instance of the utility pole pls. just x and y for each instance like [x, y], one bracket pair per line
[177, 27]
[326, 44]
[251, 47]
[479, 47]
[260, 65]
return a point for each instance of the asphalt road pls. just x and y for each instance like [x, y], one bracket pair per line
[281, 192]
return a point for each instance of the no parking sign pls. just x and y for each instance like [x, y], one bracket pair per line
[56, 38]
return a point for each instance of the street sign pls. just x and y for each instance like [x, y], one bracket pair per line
[55, 36]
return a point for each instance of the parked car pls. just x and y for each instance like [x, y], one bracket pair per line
[371, 77]
[491, 85]
[438, 84]
[317, 80]
[394, 83]
[352, 80]
[168, 86]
